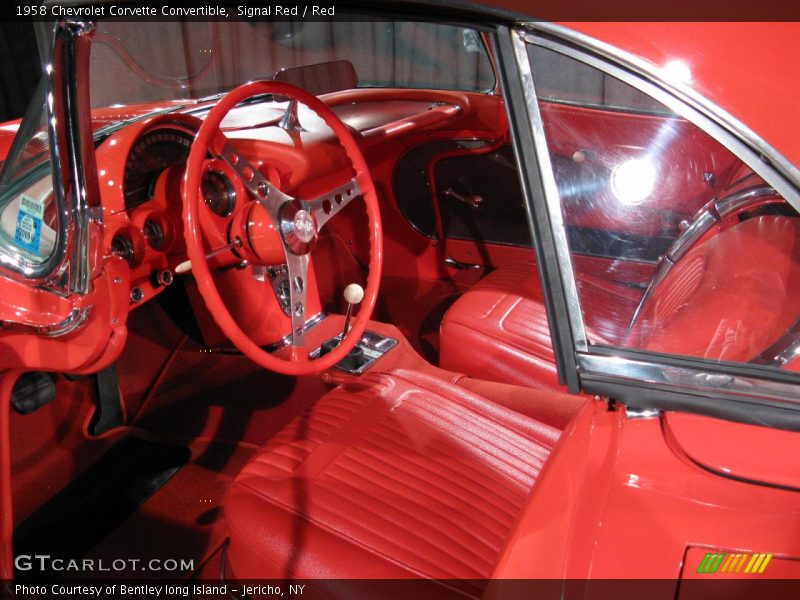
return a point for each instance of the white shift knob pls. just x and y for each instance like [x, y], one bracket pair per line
[354, 293]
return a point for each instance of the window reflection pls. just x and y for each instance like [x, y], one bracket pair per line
[677, 246]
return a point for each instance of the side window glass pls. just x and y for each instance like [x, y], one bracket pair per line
[676, 245]
[565, 80]
[29, 217]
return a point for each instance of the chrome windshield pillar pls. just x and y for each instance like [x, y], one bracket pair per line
[72, 153]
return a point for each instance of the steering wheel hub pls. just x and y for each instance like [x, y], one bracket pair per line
[298, 227]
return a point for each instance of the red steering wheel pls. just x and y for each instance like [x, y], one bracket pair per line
[294, 226]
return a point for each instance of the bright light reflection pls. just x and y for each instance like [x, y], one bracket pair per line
[676, 71]
[633, 180]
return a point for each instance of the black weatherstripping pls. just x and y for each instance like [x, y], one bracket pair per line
[643, 396]
[717, 402]
[97, 501]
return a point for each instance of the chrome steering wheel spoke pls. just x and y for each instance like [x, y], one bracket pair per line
[295, 224]
[255, 182]
[329, 204]
[298, 283]
[298, 221]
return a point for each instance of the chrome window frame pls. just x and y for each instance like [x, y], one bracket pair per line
[70, 266]
[606, 369]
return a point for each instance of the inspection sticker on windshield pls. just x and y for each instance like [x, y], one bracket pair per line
[28, 232]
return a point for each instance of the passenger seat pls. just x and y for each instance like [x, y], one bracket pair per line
[498, 329]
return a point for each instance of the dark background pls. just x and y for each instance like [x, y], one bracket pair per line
[20, 68]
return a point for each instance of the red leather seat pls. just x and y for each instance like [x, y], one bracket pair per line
[398, 475]
[498, 329]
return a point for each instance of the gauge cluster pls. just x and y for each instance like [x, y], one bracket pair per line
[140, 169]
[153, 153]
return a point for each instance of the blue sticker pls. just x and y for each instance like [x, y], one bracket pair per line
[28, 232]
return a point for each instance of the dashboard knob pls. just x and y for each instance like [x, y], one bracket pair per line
[137, 295]
[162, 278]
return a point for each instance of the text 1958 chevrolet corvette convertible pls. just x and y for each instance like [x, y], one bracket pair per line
[369, 299]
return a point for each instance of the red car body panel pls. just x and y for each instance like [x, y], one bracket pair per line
[739, 451]
[620, 492]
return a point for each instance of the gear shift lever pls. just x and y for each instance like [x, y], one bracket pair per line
[369, 348]
[353, 294]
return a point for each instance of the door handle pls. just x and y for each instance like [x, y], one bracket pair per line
[473, 200]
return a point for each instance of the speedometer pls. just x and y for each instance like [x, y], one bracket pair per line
[152, 153]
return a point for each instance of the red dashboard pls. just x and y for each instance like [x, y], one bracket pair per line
[140, 169]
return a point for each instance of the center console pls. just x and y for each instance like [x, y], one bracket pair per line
[369, 348]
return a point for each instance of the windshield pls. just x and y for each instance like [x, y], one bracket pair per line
[134, 63]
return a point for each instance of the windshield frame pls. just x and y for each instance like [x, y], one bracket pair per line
[75, 257]
[12, 261]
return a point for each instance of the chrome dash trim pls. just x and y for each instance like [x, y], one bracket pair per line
[696, 230]
[708, 216]
[741, 199]
[73, 321]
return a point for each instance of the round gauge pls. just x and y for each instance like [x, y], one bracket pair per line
[122, 246]
[152, 153]
[218, 193]
[154, 234]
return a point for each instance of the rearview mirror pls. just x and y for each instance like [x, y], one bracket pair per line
[322, 78]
